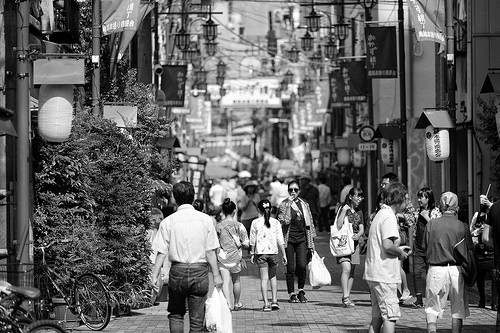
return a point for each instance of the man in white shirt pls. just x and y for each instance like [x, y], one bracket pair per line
[382, 267]
[189, 240]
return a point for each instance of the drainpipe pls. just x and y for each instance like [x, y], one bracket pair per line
[96, 51]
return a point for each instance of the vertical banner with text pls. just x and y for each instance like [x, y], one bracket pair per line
[354, 81]
[336, 96]
[173, 84]
[428, 18]
[119, 15]
[382, 59]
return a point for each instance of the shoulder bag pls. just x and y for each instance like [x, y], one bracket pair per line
[341, 242]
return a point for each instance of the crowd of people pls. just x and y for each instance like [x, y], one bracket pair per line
[280, 218]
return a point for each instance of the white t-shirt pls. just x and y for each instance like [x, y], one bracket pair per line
[379, 265]
[186, 235]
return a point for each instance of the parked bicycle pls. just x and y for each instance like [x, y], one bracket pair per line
[15, 319]
[85, 296]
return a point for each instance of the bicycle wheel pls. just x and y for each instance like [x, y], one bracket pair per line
[92, 301]
[43, 305]
[44, 326]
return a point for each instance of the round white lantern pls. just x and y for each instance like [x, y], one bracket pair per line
[389, 151]
[55, 112]
[343, 156]
[358, 158]
[437, 142]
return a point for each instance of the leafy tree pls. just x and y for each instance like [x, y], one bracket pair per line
[486, 129]
[95, 191]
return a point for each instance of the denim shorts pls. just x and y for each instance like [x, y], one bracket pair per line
[268, 260]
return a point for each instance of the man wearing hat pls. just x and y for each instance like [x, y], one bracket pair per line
[444, 276]
[310, 194]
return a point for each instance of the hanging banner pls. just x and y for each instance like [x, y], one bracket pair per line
[428, 18]
[118, 15]
[336, 94]
[120, 41]
[312, 118]
[354, 81]
[322, 96]
[382, 59]
[173, 84]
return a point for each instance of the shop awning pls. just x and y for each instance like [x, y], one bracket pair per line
[388, 131]
[435, 118]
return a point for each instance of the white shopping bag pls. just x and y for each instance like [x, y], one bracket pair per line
[319, 275]
[217, 313]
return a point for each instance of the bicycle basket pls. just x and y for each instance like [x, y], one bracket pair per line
[18, 274]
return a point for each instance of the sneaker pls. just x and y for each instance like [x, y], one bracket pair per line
[418, 304]
[293, 299]
[266, 308]
[302, 297]
[405, 296]
[346, 302]
[275, 306]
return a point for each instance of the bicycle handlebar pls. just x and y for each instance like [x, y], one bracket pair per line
[42, 248]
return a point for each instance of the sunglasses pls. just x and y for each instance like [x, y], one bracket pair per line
[293, 189]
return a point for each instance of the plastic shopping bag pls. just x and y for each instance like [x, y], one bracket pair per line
[319, 275]
[217, 313]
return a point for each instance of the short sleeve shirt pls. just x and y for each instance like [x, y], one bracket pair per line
[266, 240]
[379, 265]
[186, 235]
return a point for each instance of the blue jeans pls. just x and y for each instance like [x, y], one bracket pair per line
[296, 256]
[187, 281]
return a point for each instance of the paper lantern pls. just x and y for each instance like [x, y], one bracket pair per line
[358, 158]
[389, 151]
[55, 112]
[343, 156]
[437, 143]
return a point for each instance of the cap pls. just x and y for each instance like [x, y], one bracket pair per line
[251, 183]
[448, 202]
[244, 174]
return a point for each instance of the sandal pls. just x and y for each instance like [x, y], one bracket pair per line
[275, 306]
[346, 302]
[266, 308]
[237, 307]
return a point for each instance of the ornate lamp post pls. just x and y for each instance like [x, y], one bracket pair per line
[307, 42]
[211, 48]
[182, 39]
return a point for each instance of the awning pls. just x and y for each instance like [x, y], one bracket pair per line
[169, 142]
[491, 83]
[435, 118]
[388, 131]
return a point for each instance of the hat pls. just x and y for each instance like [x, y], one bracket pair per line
[251, 183]
[449, 202]
[244, 174]
[305, 175]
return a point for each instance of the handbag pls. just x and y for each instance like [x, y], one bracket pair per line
[341, 242]
[319, 275]
[217, 313]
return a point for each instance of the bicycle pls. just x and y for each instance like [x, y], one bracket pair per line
[15, 319]
[88, 297]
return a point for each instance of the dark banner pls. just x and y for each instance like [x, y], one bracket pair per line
[354, 81]
[173, 84]
[118, 15]
[382, 58]
[336, 98]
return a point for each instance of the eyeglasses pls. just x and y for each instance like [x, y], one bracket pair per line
[360, 197]
[293, 189]
[384, 184]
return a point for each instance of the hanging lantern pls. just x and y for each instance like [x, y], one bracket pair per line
[330, 49]
[313, 21]
[437, 142]
[209, 30]
[293, 54]
[307, 42]
[341, 30]
[389, 151]
[358, 158]
[221, 68]
[211, 48]
[55, 112]
[182, 39]
[343, 156]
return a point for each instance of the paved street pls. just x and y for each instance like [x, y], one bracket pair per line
[323, 312]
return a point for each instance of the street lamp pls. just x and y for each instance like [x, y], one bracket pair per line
[221, 68]
[209, 30]
[307, 42]
[293, 54]
[288, 77]
[313, 21]
[211, 48]
[182, 39]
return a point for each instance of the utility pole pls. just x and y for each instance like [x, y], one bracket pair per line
[96, 55]
[402, 93]
[450, 59]
[23, 193]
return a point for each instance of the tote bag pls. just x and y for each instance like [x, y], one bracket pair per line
[341, 242]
